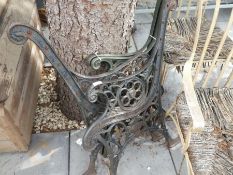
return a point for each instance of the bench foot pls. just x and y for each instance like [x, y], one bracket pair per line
[114, 161]
[92, 168]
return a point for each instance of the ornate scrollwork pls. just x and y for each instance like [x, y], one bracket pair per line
[120, 103]
[126, 95]
[131, 93]
[18, 35]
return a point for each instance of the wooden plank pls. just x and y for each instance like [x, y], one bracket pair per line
[7, 145]
[180, 3]
[19, 80]
[194, 107]
[3, 135]
[188, 8]
[38, 59]
[24, 65]
[30, 99]
[4, 75]
[5, 81]
[3, 6]
[11, 130]
[207, 42]
[19, 11]
[229, 80]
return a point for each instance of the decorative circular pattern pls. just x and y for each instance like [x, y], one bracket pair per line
[131, 93]
[111, 98]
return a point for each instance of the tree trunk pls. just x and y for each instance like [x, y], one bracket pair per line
[81, 27]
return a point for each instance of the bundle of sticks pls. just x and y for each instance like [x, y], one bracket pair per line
[210, 151]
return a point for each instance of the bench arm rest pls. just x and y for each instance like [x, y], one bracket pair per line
[191, 98]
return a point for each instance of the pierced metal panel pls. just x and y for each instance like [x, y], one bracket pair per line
[119, 104]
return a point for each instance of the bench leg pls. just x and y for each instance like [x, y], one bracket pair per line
[91, 168]
[114, 160]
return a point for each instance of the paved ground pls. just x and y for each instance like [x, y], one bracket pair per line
[62, 153]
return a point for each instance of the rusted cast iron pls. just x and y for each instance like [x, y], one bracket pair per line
[118, 104]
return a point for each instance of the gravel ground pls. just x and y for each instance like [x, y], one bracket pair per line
[48, 117]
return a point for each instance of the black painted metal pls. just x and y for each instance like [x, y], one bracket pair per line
[121, 103]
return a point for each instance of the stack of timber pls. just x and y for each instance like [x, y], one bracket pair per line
[20, 69]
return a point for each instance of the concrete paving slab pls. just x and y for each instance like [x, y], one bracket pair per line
[147, 158]
[47, 155]
[79, 158]
[140, 157]
[171, 127]
[223, 15]
[173, 86]
[143, 18]
[45, 32]
[179, 160]
[223, 18]
[141, 5]
[141, 34]
[231, 34]
[132, 47]
[223, 25]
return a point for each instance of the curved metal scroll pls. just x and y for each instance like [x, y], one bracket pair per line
[114, 60]
[19, 34]
[152, 93]
[118, 104]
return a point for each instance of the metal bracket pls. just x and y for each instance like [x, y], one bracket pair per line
[121, 103]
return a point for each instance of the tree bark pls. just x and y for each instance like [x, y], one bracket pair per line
[81, 27]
